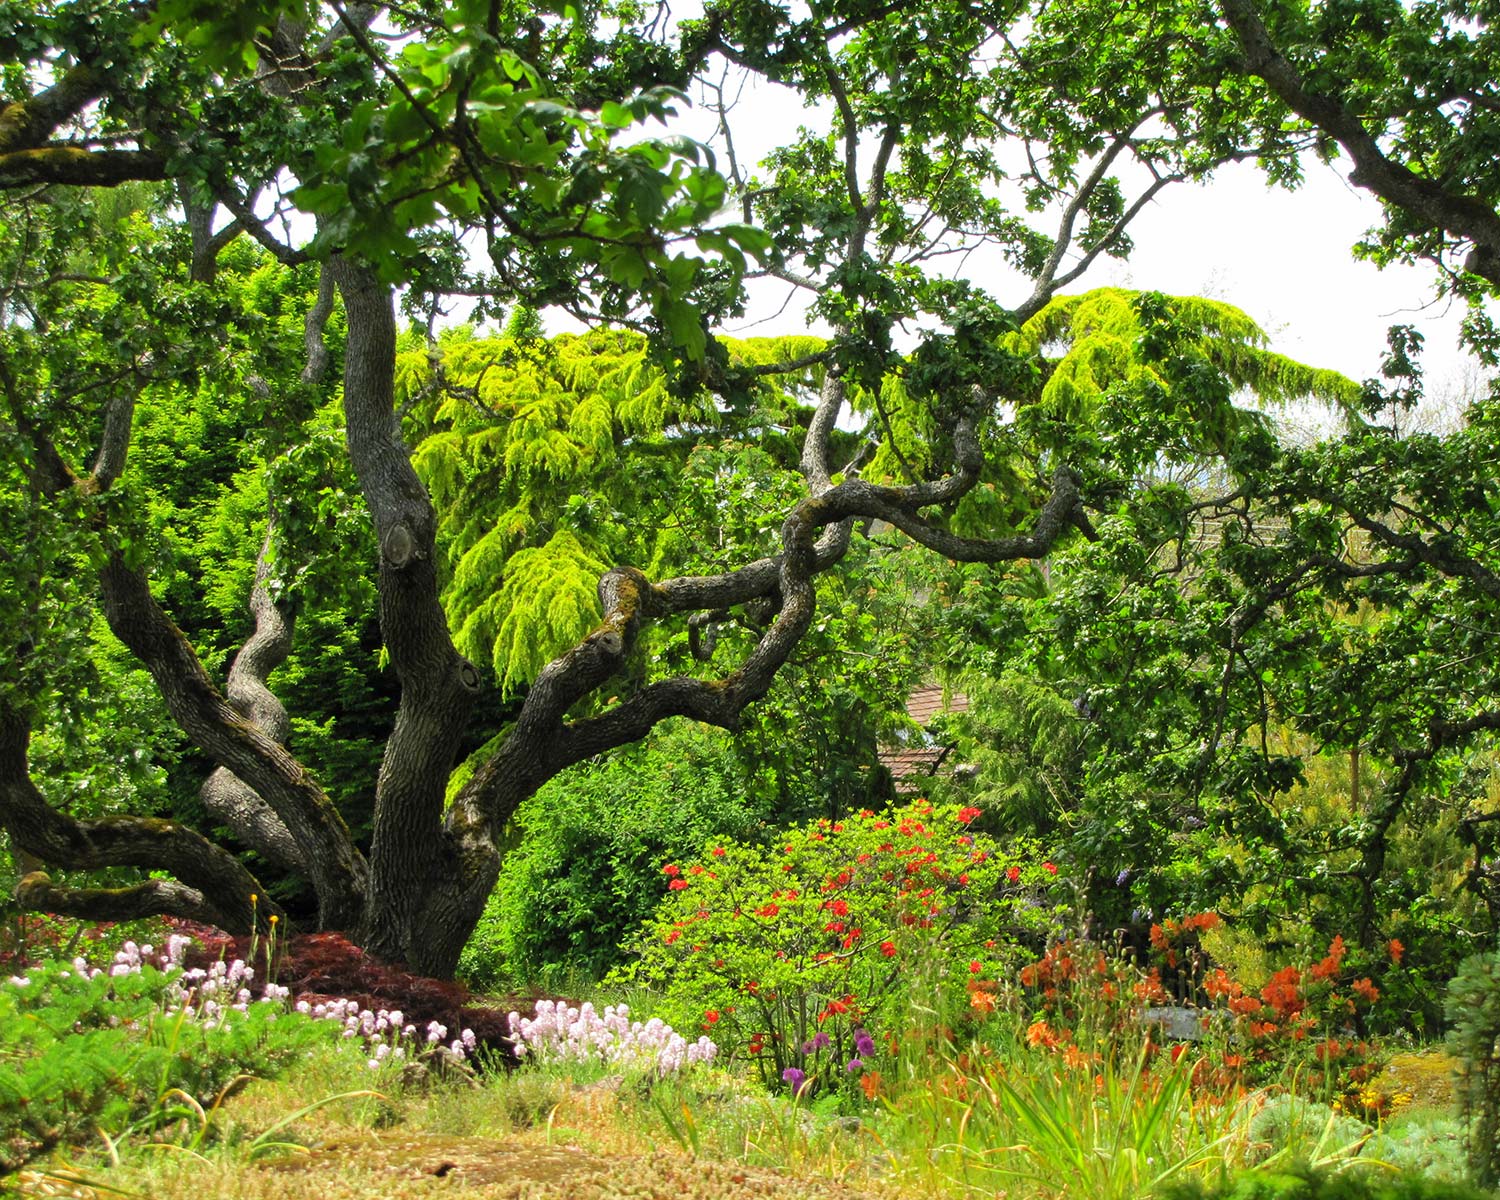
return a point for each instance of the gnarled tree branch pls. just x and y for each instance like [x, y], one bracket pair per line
[213, 883]
[1461, 215]
[223, 793]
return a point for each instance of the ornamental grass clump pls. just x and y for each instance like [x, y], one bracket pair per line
[560, 1033]
[805, 957]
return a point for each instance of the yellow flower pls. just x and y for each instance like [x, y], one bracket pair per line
[253, 897]
[274, 918]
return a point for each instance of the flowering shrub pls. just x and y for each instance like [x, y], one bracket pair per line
[801, 956]
[1303, 1016]
[561, 1033]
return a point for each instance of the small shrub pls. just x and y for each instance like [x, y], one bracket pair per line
[803, 957]
[1296, 1127]
[87, 1047]
[1473, 1008]
[1435, 1147]
[586, 871]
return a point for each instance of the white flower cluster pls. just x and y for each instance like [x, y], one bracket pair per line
[561, 1033]
[385, 1031]
[207, 996]
[210, 995]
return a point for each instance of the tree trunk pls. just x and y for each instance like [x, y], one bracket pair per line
[414, 911]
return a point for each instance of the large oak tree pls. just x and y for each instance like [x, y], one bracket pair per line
[491, 151]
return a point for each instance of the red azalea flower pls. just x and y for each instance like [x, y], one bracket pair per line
[974, 968]
[968, 813]
[678, 884]
[888, 949]
[717, 851]
[1050, 868]
[1013, 874]
[671, 869]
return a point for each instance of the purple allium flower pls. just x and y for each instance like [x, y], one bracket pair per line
[855, 1064]
[794, 1076]
[815, 1043]
[864, 1044]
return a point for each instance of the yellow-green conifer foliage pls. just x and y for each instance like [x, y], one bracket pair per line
[1102, 332]
[550, 460]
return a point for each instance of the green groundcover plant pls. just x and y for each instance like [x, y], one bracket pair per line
[87, 1048]
[130, 1047]
[1305, 1183]
[804, 956]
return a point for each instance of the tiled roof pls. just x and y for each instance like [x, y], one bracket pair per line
[926, 702]
[909, 766]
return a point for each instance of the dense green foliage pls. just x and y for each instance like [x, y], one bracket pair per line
[506, 554]
[1473, 1007]
[121, 1051]
[586, 867]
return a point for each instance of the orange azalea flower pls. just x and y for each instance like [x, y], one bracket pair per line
[870, 1083]
[1365, 990]
[1283, 992]
[981, 1001]
[1039, 1033]
[1329, 967]
[1396, 950]
[1150, 988]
